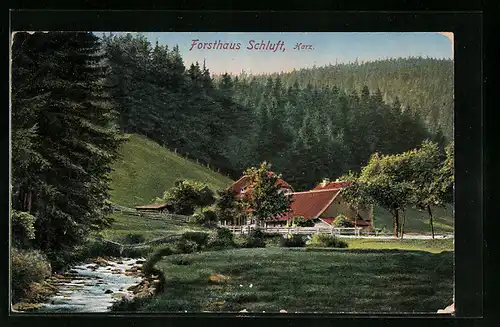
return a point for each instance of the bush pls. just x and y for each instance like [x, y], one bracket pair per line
[207, 219]
[210, 216]
[61, 260]
[186, 195]
[134, 238]
[197, 218]
[23, 228]
[256, 239]
[136, 252]
[273, 239]
[326, 240]
[157, 255]
[252, 242]
[222, 238]
[301, 221]
[342, 221]
[257, 233]
[186, 246]
[293, 241]
[95, 249]
[199, 238]
[27, 267]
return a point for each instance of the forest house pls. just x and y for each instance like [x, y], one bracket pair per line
[322, 204]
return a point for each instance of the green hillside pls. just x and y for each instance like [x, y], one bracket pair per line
[417, 221]
[145, 170]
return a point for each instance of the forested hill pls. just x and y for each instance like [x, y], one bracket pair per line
[309, 124]
[424, 85]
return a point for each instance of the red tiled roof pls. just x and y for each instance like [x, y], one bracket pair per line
[310, 204]
[239, 184]
[329, 221]
[245, 181]
[331, 186]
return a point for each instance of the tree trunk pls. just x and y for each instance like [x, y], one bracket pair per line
[29, 201]
[25, 200]
[257, 224]
[431, 220]
[403, 224]
[396, 223]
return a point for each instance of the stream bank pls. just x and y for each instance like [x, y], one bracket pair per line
[94, 286]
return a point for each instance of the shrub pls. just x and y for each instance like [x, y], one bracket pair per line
[186, 246]
[257, 233]
[273, 239]
[136, 252]
[27, 267]
[326, 240]
[301, 221]
[293, 241]
[222, 238]
[186, 195]
[23, 228]
[342, 221]
[134, 238]
[95, 249]
[157, 255]
[255, 239]
[252, 242]
[199, 238]
[210, 216]
[197, 218]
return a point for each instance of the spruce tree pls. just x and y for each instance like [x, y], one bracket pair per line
[76, 136]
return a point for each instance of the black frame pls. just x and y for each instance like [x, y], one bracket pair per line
[468, 119]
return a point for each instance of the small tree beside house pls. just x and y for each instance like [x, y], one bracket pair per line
[188, 195]
[229, 208]
[266, 200]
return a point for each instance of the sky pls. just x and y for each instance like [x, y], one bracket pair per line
[318, 49]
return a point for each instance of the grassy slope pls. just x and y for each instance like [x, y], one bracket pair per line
[149, 228]
[417, 221]
[146, 169]
[321, 281]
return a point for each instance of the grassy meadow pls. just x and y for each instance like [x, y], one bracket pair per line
[149, 228]
[433, 246]
[271, 279]
[371, 275]
[145, 170]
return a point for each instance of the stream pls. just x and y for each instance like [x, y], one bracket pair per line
[94, 286]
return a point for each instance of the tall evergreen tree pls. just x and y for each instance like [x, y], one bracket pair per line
[76, 139]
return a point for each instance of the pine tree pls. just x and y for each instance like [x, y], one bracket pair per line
[76, 136]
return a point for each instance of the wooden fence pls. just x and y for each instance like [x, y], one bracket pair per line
[150, 215]
[356, 231]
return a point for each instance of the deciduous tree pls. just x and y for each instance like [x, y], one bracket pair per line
[266, 200]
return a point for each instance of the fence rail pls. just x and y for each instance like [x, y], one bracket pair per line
[149, 215]
[356, 231]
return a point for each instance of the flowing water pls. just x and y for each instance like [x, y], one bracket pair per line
[92, 288]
